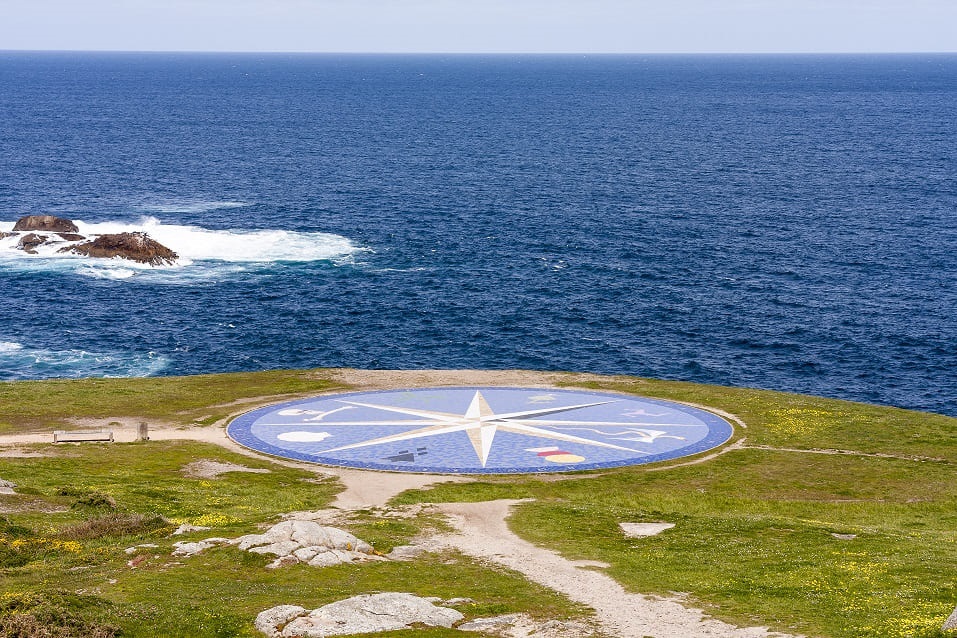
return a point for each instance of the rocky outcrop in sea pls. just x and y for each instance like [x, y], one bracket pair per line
[133, 246]
[45, 223]
[48, 229]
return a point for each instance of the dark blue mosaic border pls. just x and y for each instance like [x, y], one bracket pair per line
[239, 430]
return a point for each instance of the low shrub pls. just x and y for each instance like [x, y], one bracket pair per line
[32, 615]
[88, 499]
[114, 524]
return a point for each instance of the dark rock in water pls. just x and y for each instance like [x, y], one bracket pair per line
[30, 242]
[71, 237]
[4, 235]
[48, 223]
[133, 246]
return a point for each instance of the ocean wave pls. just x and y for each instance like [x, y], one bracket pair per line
[203, 253]
[20, 362]
[9, 346]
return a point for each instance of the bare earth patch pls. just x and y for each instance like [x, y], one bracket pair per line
[206, 469]
[16, 506]
[22, 453]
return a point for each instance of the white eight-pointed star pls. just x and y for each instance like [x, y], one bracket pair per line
[481, 423]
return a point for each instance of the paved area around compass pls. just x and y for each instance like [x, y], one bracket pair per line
[478, 430]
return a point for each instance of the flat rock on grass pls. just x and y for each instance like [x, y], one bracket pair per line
[294, 542]
[522, 626]
[951, 623]
[187, 548]
[186, 528]
[369, 613]
[272, 621]
[6, 487]
[638, 530]
[206, 469]
[406, 552]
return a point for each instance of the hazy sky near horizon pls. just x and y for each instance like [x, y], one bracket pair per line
[494, 26]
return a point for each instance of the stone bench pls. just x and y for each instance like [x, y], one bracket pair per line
[64, 436]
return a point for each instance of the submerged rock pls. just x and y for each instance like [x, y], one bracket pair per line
[133, 246]
[368, 613]
[70, 237]
[47, 223]
[29, 243]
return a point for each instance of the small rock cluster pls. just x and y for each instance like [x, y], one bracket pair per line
[523, 626]
[6, 487]
[372, 613]
[367, 613]
[293, 542]
[137, 247]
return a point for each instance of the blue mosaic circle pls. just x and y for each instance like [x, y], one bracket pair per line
[480, 430]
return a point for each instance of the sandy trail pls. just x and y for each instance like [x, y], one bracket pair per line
[484, 534]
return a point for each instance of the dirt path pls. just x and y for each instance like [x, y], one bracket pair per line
[484, 534]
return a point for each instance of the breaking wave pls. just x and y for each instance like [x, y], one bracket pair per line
[203, 253]
[20, 362]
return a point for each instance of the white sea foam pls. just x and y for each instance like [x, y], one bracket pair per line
[191, 206]
[20, 362]
[106, 273]
[203, 253]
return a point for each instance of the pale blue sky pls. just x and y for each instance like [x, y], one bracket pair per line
[613, 26]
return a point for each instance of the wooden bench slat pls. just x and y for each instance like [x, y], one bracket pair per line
[64, 436]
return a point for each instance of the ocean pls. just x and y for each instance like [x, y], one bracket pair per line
[780, 222]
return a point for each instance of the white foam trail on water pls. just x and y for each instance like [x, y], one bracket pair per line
[20, 362]
[191, 206]
[106, 273]
[212, 251]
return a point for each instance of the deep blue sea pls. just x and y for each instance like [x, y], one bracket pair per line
[777, 222]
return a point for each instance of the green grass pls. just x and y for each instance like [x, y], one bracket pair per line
[753, 542]
[798, 421]
[114, 496]
[201, 399]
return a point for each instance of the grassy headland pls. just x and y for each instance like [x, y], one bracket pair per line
[830, 518]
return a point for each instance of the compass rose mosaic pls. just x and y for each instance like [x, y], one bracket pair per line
[483, 430]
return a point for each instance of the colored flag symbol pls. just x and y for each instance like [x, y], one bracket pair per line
[556, 455]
